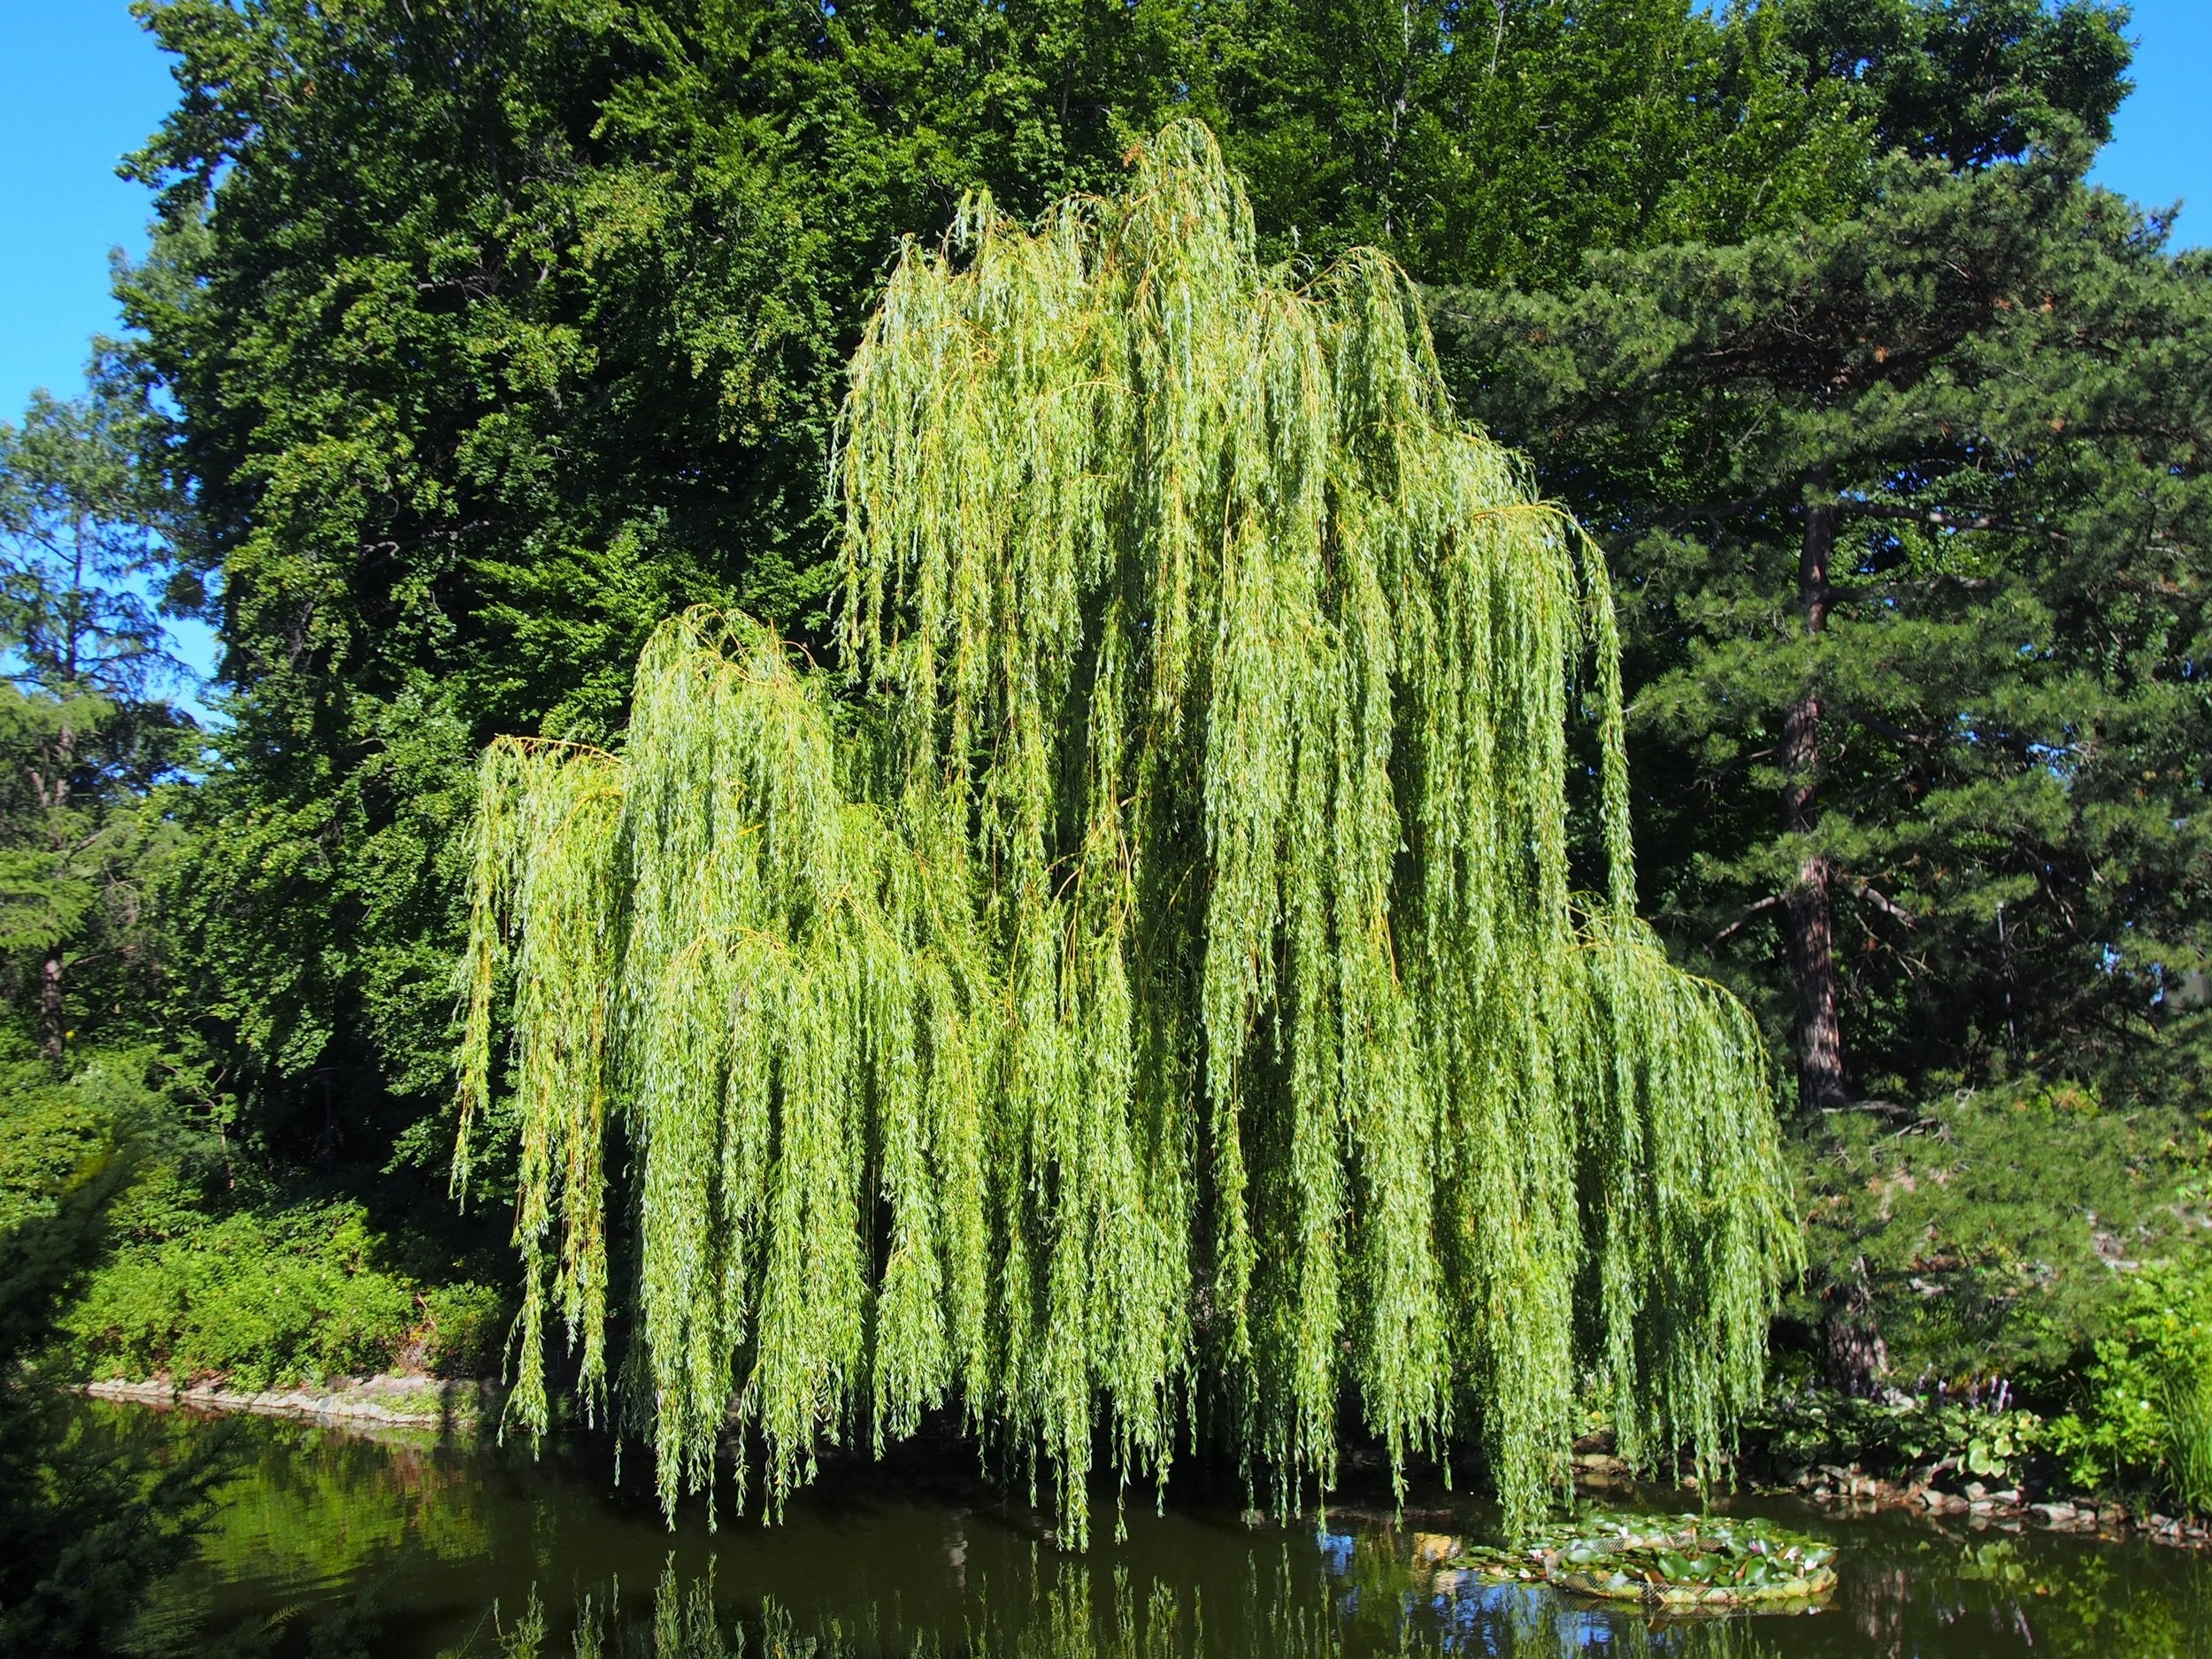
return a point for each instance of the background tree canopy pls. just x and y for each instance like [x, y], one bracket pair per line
[1915, 507]
[503, 333]
[478, 340]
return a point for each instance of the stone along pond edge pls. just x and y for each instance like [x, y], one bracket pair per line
[460, 1406]
[368, 1402]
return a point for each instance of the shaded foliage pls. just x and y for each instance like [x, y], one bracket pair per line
[88, 1519]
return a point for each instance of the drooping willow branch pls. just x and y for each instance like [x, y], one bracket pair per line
[1147, 987]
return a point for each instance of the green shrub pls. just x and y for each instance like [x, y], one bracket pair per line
[91, 1512]
[2188, 1403]
[51, 1137]
[274, 1291]
[463, 1329]
[267, 1300]
[2117, 1434]
[1993, 1233]
[1985, 1441]
[2144, 1411]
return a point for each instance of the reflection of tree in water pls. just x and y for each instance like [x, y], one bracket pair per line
[1880, 1598]
[301, 1510]
[346, 1548]
[1078, 1618]
[2088, 1605]
[317, 1507]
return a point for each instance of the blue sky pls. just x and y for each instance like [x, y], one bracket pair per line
[81, 85]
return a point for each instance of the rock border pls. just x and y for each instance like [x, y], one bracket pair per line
[2009, 1508]
[1598, 1474]
[388, 1402]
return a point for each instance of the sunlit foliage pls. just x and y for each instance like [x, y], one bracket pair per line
[1145, 991]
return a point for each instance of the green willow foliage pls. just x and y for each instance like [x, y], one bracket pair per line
[1153, 984]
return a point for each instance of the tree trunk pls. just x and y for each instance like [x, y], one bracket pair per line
[1853, 1354]
[50, 1008]
[1805, 918]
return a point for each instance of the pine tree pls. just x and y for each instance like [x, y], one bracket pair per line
[83, 733]
[1914, 508]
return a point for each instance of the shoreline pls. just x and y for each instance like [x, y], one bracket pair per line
[446, 1404]
[1849, 1491]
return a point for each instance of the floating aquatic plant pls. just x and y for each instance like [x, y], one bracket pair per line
[1677, 1561]
[1143, 991]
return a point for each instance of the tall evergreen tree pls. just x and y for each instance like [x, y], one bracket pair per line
[1915, 509]
[84, 733]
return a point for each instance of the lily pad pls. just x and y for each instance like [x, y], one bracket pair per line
[1682, 1561]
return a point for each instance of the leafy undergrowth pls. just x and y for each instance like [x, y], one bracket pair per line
[270, 1299]
[1918, 1438]
[1678, 1561]
[2029, 1270]
[199, 1270]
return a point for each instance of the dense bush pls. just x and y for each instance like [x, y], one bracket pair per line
[462, 1328]
[2031, 1244]
[2145, 1400]
[269, 1299]
[1972, 1438]
[1992, 1235]
[54, 1136]
[193, 1271]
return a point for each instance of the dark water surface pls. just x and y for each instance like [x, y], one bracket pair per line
[417, 1549]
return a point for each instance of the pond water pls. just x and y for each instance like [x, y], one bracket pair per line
[333, 1542]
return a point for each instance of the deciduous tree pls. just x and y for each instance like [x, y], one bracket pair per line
[1169, 990]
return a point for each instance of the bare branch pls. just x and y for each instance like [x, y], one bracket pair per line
[1944, 520]
[1887, 906]
[1772, 901]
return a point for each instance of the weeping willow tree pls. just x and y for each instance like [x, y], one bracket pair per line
[1143, 993]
